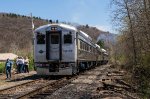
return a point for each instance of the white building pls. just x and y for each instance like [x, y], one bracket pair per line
[5, 56]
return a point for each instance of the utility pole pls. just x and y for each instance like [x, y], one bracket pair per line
[32, 24]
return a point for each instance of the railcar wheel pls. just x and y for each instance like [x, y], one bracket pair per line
[74, 70]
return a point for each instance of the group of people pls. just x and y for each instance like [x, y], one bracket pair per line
[22, 66]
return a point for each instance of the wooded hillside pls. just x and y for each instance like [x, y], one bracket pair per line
[16, 32]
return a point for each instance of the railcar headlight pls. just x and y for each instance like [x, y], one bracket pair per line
[53, 28]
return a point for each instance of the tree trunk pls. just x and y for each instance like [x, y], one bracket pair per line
[132, 34]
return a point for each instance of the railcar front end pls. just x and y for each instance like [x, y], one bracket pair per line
[55, 50]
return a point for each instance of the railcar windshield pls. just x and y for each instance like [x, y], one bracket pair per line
[67, 39]
[54, 39]
[40, 38]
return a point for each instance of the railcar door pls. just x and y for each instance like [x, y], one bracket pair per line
[54, 47]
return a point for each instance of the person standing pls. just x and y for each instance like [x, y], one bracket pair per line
[17, 65]
[8, 66]
[26, 64]
[20, 63]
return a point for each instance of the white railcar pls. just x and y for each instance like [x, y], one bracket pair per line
[61, 49]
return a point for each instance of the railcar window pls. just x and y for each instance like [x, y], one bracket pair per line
[81, 45]
[90, 49]
[93, 49]
[40, 38]
[67, 39]
[86, 47]
[54, 39]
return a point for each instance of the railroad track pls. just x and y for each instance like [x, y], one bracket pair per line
[18, 85]
[19, 90]
[36, 89]
[48, 89]
[58, 85]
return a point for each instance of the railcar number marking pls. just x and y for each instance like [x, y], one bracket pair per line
[67, 50]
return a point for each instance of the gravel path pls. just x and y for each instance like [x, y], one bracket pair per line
[89, 85]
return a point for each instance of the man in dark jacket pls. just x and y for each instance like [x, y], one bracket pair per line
[8, 66]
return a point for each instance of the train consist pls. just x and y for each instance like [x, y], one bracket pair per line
[61, 49]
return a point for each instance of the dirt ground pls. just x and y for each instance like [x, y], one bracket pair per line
[16, 79]
[102, 82]
[98, 83]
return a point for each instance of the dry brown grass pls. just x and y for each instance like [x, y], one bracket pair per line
[16, 33]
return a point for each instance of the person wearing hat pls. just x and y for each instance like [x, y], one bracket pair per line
[8, 66]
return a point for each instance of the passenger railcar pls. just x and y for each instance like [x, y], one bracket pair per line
[61, 49]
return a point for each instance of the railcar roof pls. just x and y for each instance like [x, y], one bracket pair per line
[61, 25]
[103, 50]
[86, 35]
[106, 53]
[68, 27]
[42, 27]
[97, 46]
